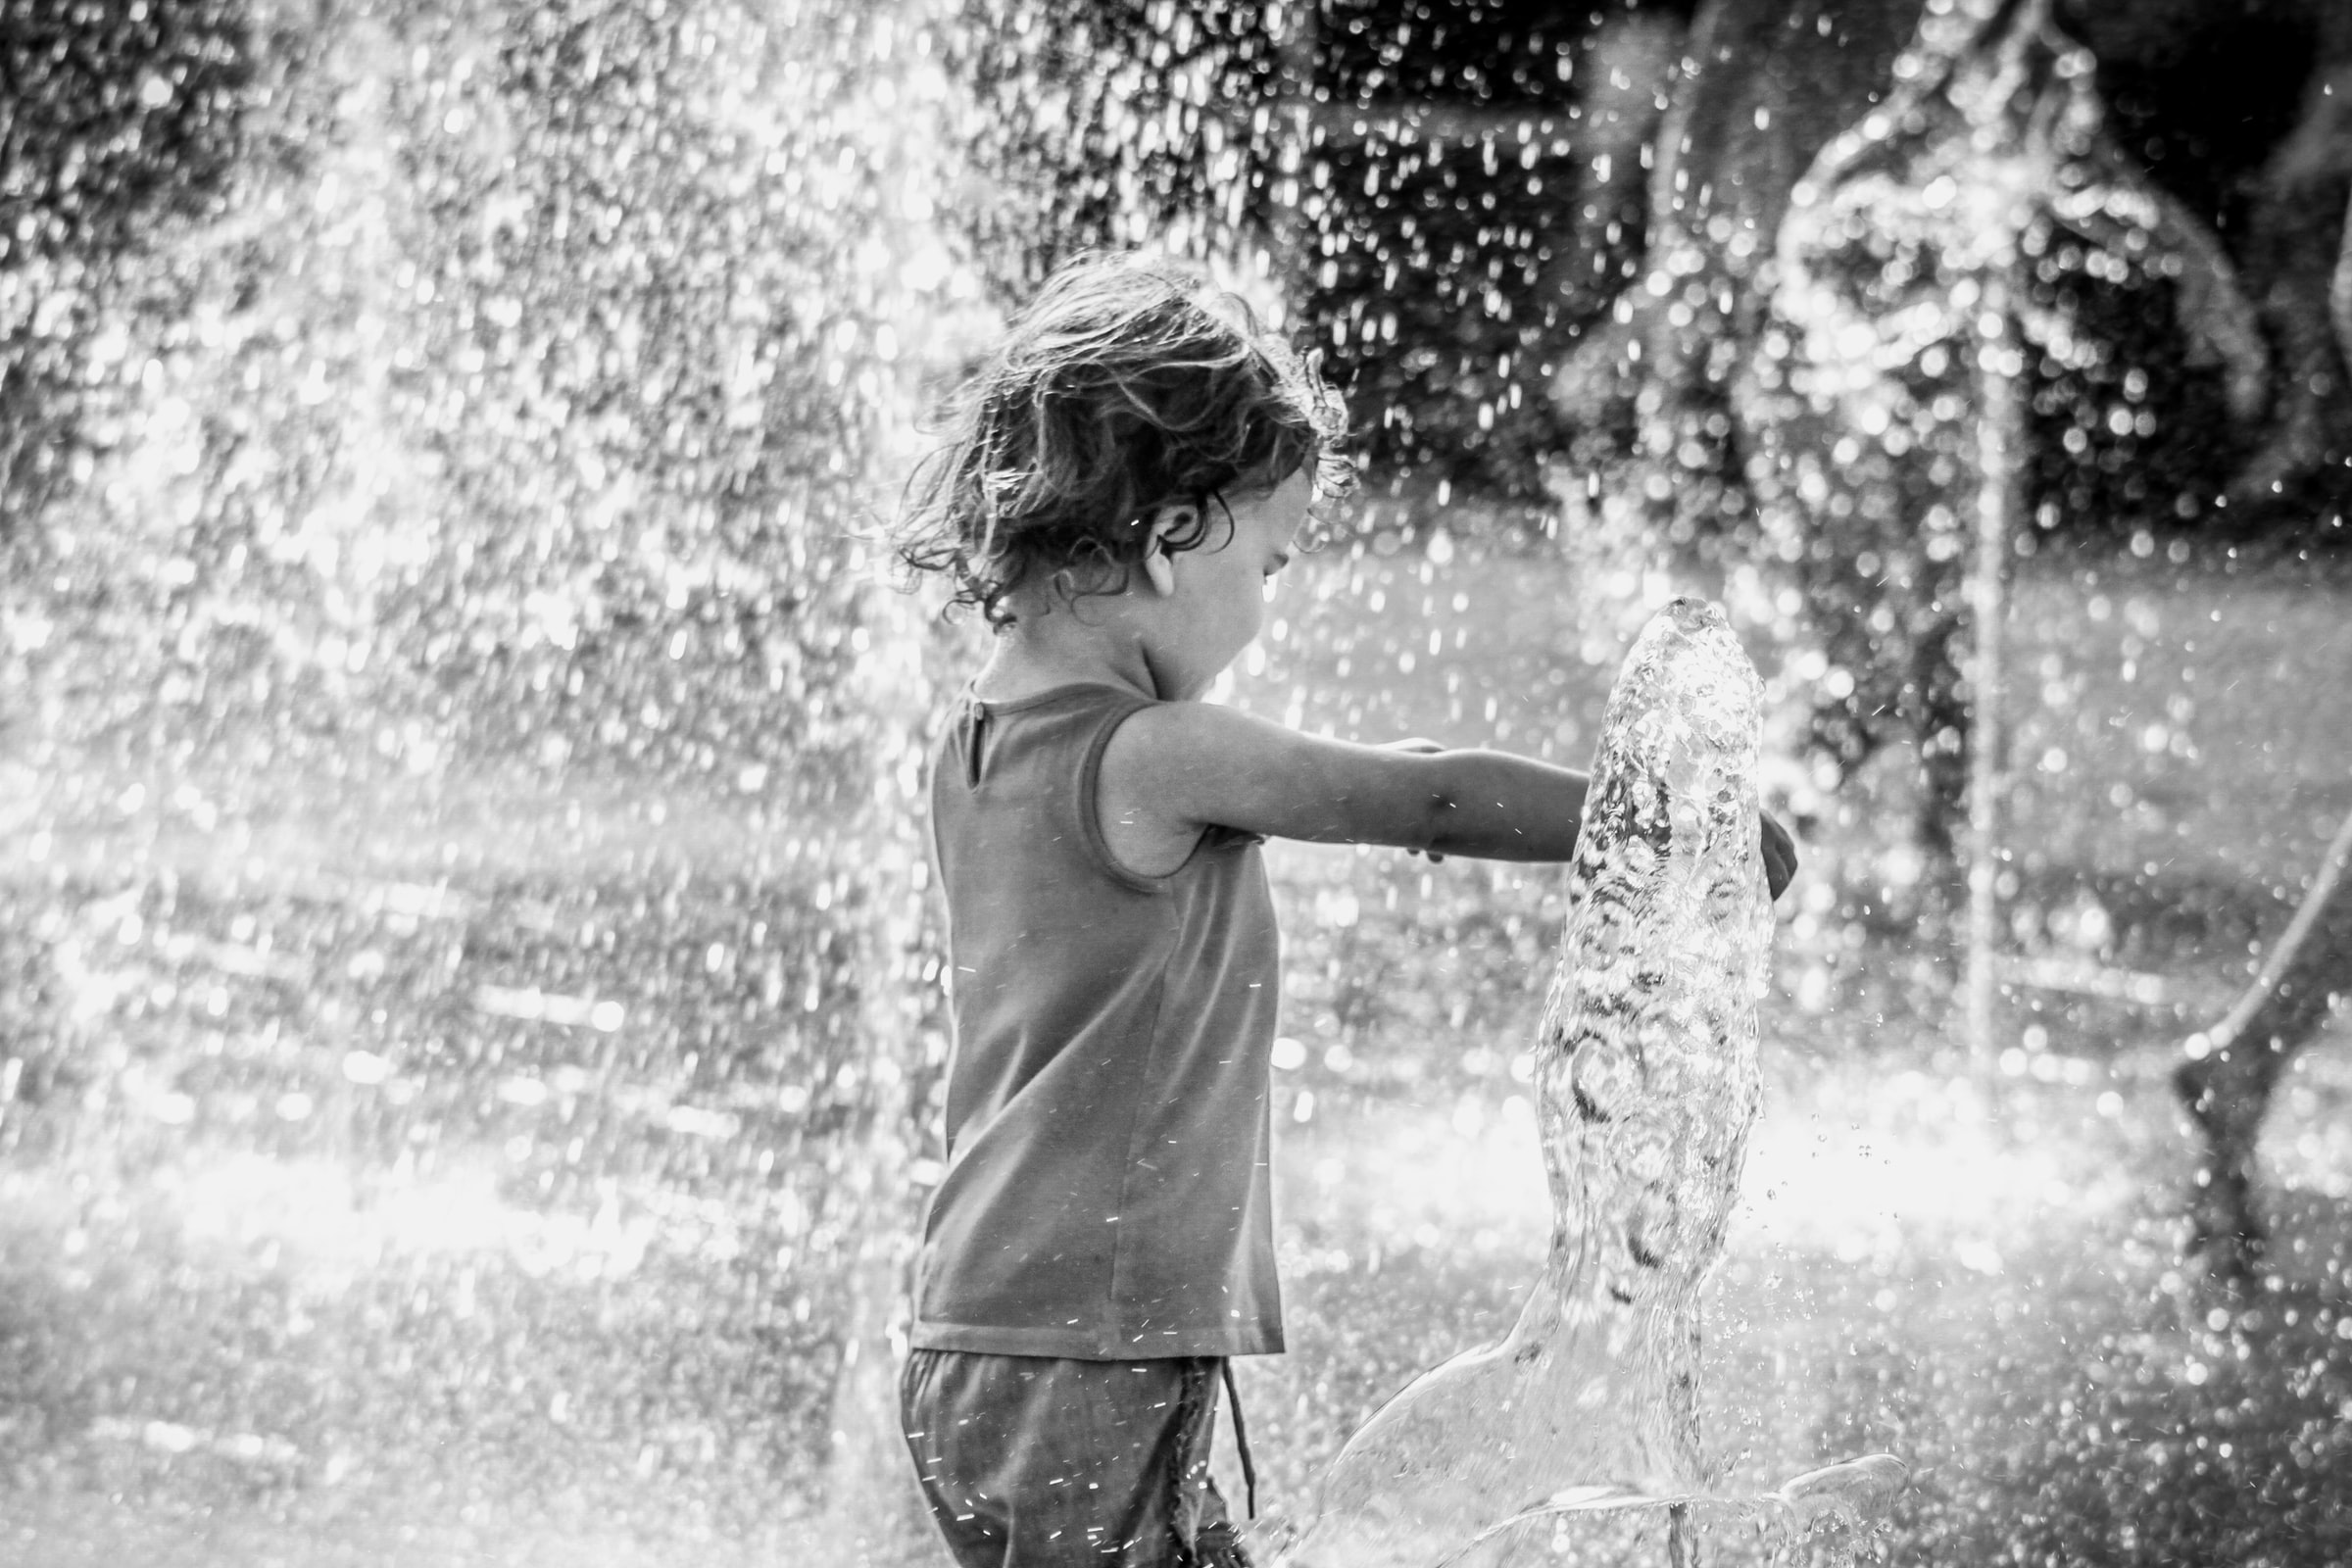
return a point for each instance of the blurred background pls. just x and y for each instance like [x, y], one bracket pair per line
[470, 1041]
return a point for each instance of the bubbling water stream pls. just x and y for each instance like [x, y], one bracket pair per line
[1646, 1085]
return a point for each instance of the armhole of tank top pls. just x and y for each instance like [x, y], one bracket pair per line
[1090, 818]
[931, 849]
[945, 757]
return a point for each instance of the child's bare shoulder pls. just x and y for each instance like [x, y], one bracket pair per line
[1173, 769]
[1172, 747]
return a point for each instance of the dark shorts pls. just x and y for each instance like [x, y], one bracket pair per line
[1034, 1462]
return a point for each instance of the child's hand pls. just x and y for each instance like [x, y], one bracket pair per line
[1780, 855]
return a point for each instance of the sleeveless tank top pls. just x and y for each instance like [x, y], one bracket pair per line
[1107, 1193]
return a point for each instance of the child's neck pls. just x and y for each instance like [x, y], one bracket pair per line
[1068, 644]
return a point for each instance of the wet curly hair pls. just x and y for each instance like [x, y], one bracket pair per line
[1129, 383]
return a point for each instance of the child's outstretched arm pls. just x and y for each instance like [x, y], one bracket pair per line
[1178, 767]
[1175, 768]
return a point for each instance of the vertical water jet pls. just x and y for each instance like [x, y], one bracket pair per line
[1646, 1088]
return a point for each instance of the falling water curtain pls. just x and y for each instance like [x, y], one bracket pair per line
[448, 569]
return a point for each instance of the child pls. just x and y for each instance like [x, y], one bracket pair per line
[1123, 482]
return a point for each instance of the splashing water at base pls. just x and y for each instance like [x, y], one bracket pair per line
[1578, 1434]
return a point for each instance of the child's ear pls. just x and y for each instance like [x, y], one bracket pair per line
[1157, 566]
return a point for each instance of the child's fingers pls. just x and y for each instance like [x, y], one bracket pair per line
[1780, 855]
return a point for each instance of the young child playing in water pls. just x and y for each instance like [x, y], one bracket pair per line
[1123, 482]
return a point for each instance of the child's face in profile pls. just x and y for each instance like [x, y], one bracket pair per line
[1222, 586]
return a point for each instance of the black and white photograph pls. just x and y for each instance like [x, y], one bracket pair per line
[1175, 783]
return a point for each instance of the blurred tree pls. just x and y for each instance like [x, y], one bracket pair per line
[2242, 109]
[2165, 386]
[116, 121]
